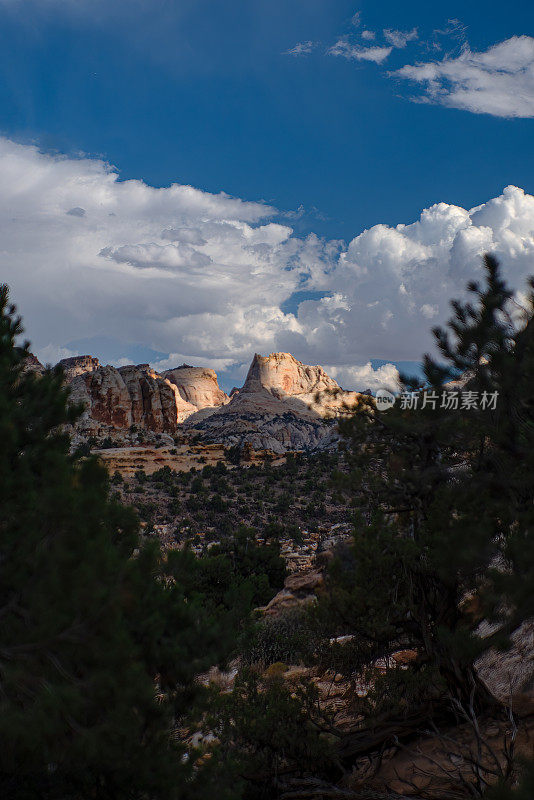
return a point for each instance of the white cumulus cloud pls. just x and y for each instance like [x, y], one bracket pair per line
[498, 81]
[204, 277]
[360, 378]
[52, 353]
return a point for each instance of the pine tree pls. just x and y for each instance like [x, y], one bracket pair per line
[444, 538]
[89, 627]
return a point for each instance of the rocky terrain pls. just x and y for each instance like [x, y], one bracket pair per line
[197, 465]
[178, 456]
[284, 405]
[197, 386]
[119, 398]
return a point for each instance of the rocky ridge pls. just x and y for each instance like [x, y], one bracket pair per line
[32, 364]
[296, 384]
[197, 386]
[283, 404]
[119, 398]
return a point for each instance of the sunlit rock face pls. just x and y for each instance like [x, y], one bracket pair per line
[130, 395]
[198, 386]
[286, 378]
[282, 374]
[283, 405]
[78, 365]
[105, 398]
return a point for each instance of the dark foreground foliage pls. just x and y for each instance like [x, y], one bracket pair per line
[443, 540]
[102, 636]
[98, 649]
[445, 534]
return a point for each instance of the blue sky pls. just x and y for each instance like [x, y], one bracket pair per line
[202, 93]
[280, 102]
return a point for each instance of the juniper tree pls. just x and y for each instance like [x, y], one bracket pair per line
[446, 494]
[89, 628]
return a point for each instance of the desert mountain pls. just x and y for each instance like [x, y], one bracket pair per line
[198, 386]
[283, 404]
[122, 397]
[296, 384]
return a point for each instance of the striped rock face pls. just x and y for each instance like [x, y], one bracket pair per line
[198, 386]
[131, 395]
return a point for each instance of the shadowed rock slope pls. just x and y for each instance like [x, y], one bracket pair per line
[122, 397]
[283, 404]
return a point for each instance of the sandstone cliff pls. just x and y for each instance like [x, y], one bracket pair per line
[105, 398]
[290, 380]
[283, 405]
[120, 398]
[78, 365]
[198, 386]
[156, 402]
[282, 374]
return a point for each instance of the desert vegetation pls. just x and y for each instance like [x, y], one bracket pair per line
[206, 504]
[141, 658]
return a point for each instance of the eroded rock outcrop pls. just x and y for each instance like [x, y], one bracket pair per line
[156, 402]
[297, 384]
[78, 365]
[283, 405]
[105, 398]
[198, 386]
[284, 377]
[300, 589]
[32, 364]
[126, 396]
